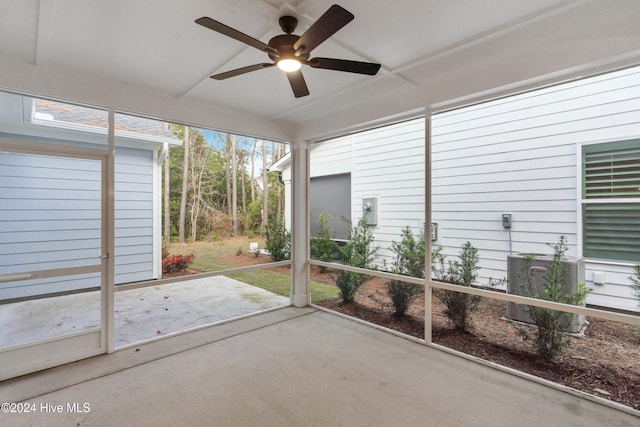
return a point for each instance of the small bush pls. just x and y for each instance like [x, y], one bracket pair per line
[402, 295]
[357, 252]
[551, 325]
[239, 251]
[462, 272]
[323, 246]
[410, 260]
[176, 263]
[278, 242]
[635, 281]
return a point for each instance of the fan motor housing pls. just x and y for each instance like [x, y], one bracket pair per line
[283, 44]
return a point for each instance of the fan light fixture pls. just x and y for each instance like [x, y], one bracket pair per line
[290, 51]
[289, 65]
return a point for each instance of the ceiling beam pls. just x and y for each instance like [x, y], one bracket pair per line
[46, 13]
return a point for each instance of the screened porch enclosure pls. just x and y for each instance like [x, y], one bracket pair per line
[80, 240]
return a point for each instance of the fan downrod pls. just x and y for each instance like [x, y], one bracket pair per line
[288, 24]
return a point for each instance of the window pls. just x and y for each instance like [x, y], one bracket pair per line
[611, 200]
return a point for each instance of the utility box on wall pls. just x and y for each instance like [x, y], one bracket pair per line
[370, 210]
[574, 269]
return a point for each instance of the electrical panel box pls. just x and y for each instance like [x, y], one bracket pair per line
[370, 210]
[574, 274]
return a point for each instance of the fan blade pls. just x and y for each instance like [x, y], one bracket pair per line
[234, 34]
[358, 67]
[298, 84]
[326, 26]
[240, 71]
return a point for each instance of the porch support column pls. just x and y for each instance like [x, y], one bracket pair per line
[300, 281]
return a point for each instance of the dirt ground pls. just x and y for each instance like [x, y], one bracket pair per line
[604, 362]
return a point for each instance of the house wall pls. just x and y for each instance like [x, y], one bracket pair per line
[517, 155]
[387, 164]
[134, 224]
[134, 209]
[328, 158]
[33, 236]
[520, 155]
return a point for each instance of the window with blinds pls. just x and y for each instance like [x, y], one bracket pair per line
[611, 201]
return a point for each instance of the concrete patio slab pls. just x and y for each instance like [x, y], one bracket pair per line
[140, 314]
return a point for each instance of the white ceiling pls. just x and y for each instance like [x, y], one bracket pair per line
[149, 57]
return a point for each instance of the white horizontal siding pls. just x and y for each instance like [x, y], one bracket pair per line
[518, 155]
[388, 164]
[50, 218]
[133, 215]
[47, 205]
[616, 288]
[330, 157]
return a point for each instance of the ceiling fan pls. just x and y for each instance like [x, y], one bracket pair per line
[289, 51]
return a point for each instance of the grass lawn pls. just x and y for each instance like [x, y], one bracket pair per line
[208, 258]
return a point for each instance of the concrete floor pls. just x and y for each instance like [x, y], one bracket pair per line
[292, 367]
[140, 314]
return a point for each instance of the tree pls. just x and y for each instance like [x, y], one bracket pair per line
[252, 178]
[227, 175]
[410, 260]
[185, 181]
[200, 153]
[265, 187]
[243, 185]
[323, 245]
[357, 252]
[234, 187]
[166, 189]
[462, 272]
[551, 325]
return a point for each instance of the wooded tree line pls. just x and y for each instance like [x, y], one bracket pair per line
[216, 188]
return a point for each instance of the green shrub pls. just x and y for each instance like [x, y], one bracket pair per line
[278, 242]
[357, 252]
[409, 261]
[551, 325]
[635, 281]
[322, 245]
[402, 295]
[462, 272]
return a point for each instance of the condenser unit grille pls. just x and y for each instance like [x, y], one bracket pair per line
[574, 274]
